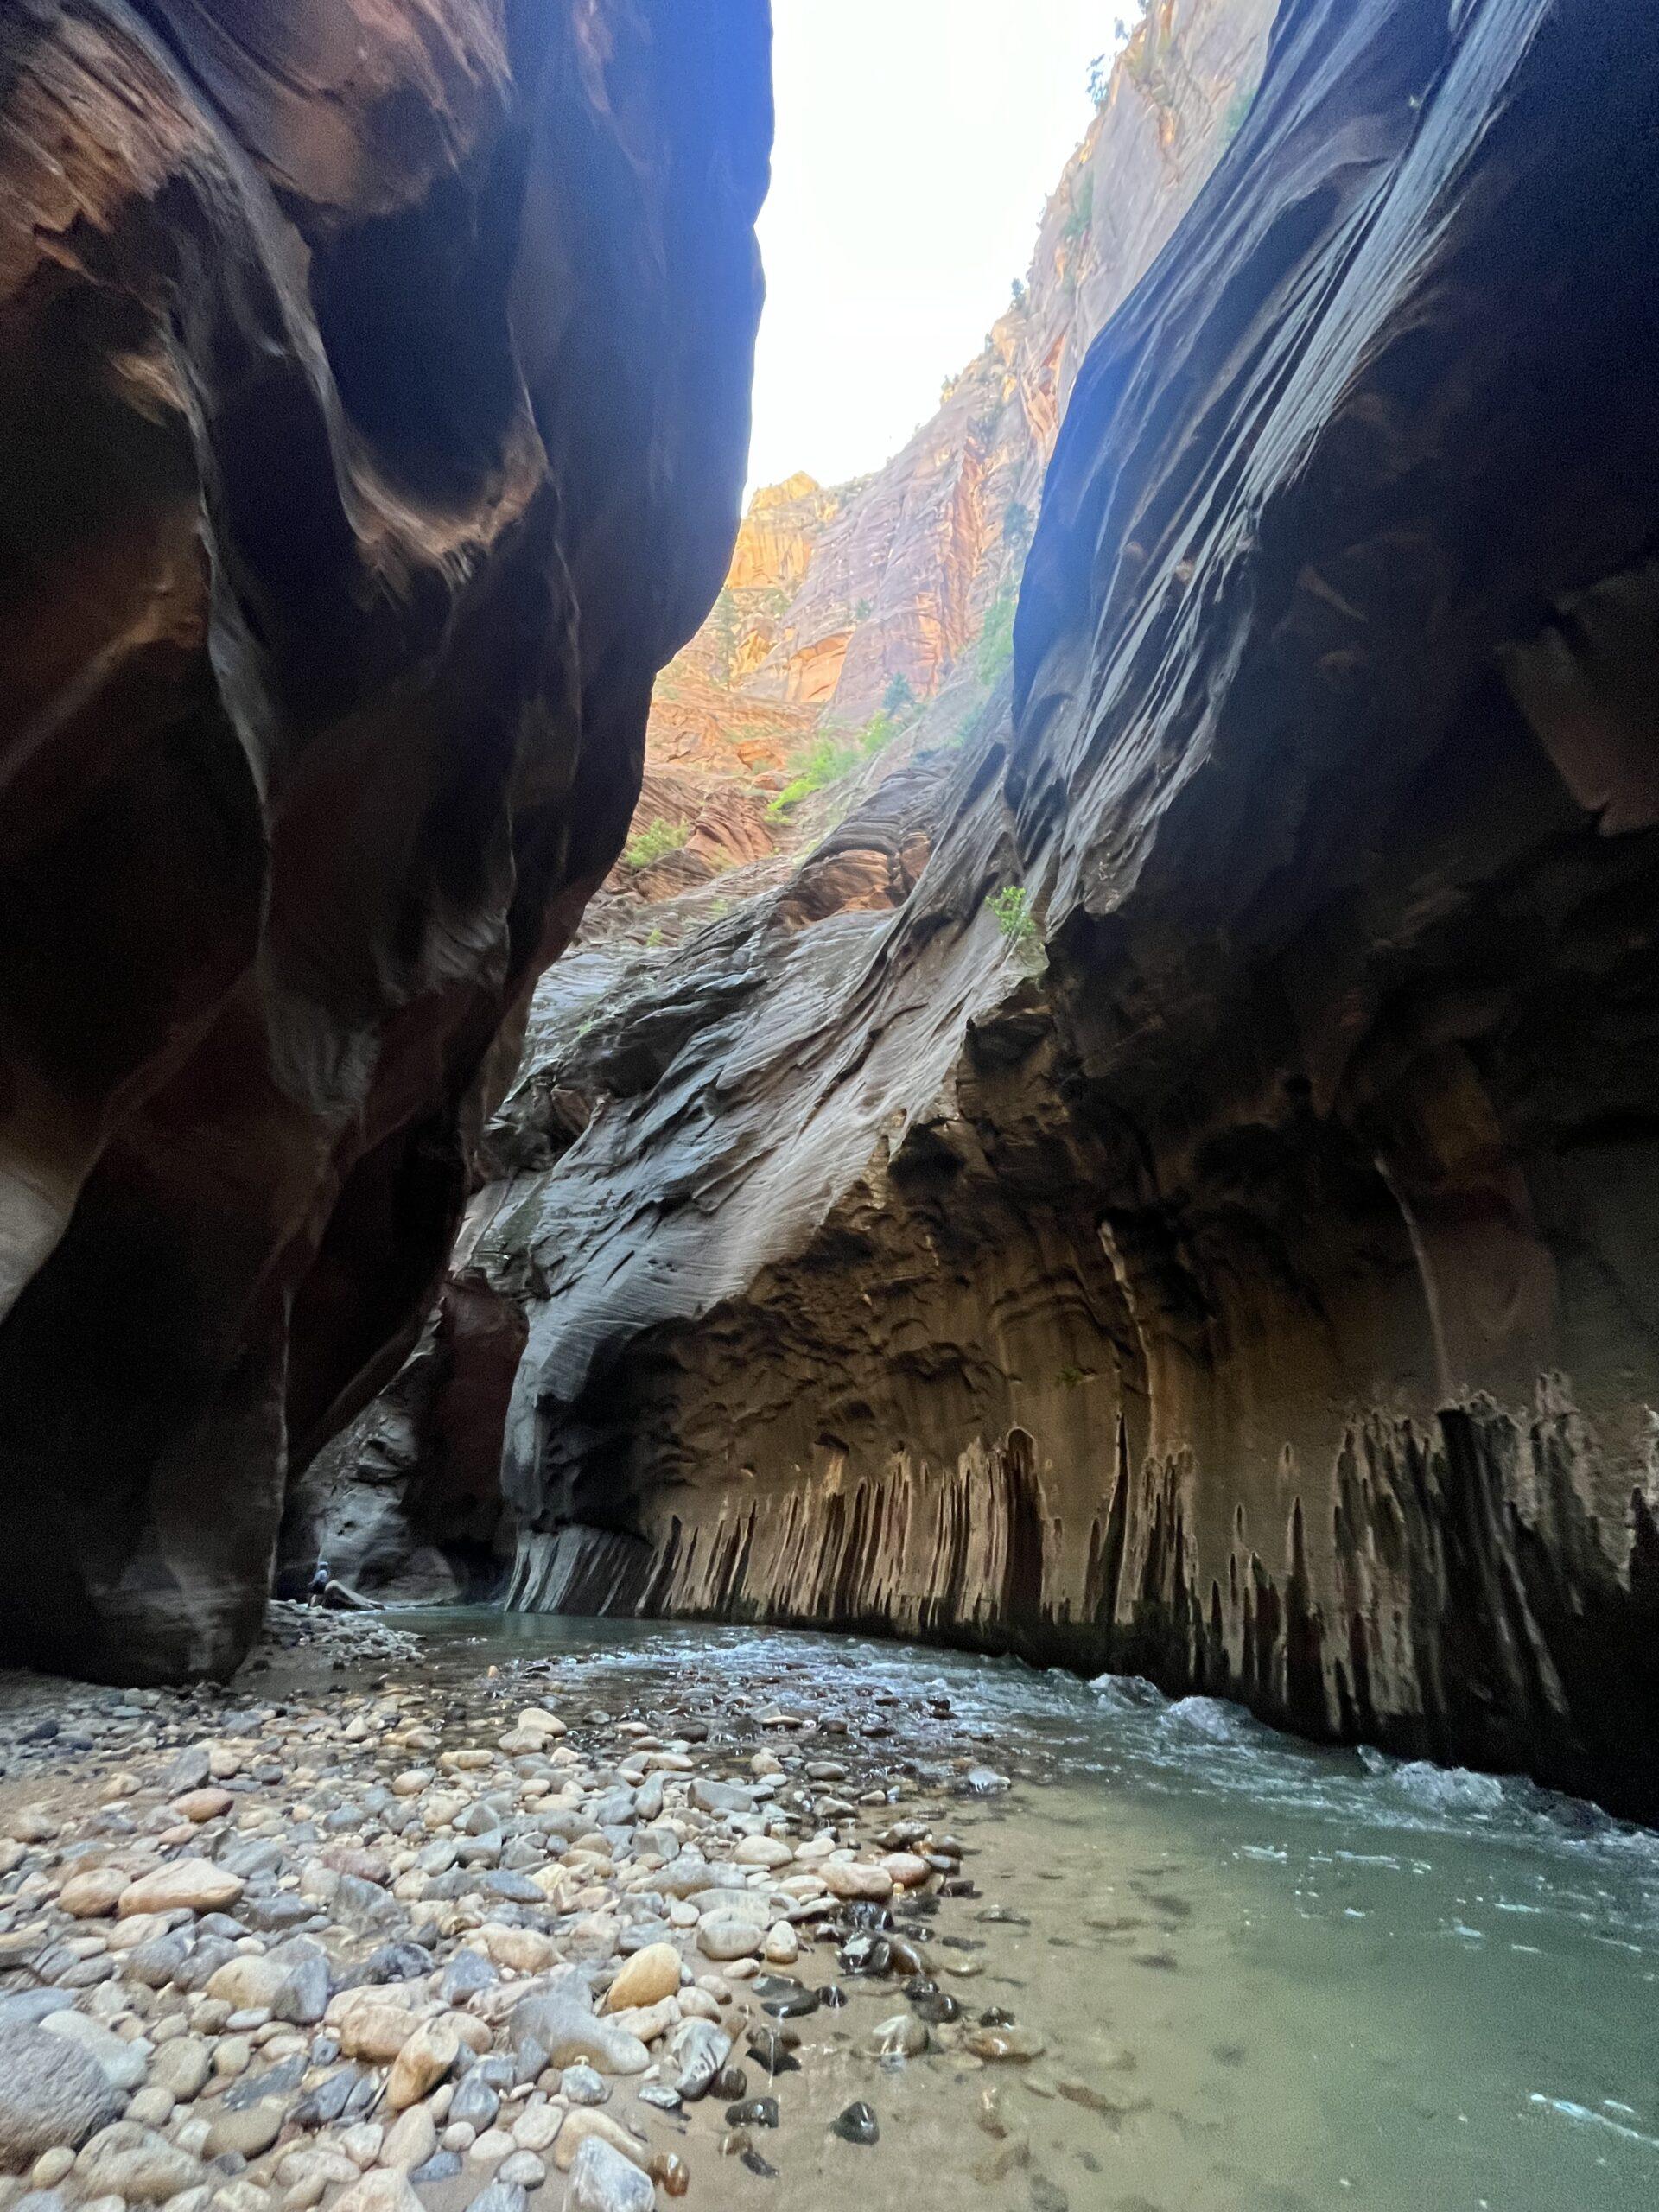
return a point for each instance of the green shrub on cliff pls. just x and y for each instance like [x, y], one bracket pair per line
[898, 698]
[653, 841]
[833, 756]
[1012, 907]
[996, 638]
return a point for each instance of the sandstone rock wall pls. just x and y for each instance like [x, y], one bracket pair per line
[373, 400]
[903, 573]
[1239, 1268]
[908, 576]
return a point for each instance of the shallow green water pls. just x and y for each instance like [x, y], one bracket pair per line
[1290, 1977]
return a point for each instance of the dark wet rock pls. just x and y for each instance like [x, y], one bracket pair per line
[660, 2096]
[752, 2111]
[757, 2164]
[867, 1955]
[857, 2124]
[770, 2051]
[865, 1914]
[937, 2008]
[790, 2004]
[731, 2083]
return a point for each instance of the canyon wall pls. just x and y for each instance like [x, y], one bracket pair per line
[898, 588]
[1230, 1256]
[373, 406]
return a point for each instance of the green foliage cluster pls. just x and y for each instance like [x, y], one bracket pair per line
[833, 757]
[724, 620]
[996, 638]
[1012, 907]
[653, 841]
[1081, 219]
[899, 699]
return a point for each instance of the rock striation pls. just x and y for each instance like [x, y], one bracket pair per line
[1230, 1262]
[882, 609]
[373, 401]
[835, 595]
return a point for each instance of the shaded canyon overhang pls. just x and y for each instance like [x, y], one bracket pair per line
[1261, 1295]
[374, 387]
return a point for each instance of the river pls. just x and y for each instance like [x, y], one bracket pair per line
[1266, 1974]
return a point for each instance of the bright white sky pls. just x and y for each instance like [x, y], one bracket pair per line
[916, 141]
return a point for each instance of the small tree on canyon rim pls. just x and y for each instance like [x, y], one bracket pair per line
[898, 698]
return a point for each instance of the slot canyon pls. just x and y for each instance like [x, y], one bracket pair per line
[789, 1103]
[1236, 1272]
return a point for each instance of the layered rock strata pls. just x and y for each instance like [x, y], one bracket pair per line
[374, 398]
[893, 595]
[1234, 1264]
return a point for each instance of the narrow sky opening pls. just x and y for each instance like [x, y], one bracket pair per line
[917, 142]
